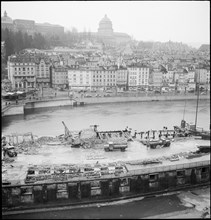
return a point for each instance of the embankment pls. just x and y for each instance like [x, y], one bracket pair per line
[59, 102]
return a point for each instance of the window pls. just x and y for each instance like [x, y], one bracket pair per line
[205, 170]
[180, 173]
[153, 177]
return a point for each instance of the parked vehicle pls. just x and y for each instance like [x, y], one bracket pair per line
[107, 95]
[88, 95]
[115, 146]
[157, 92]
[153, 144]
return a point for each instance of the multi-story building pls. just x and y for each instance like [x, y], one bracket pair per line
[7, 22]
[104, 77]
[23, 25]
[47, 29]
[59, 77]
[43, 64]
[157, 77]
[79, 78]
[122, 78]
[22, 71]
[30, 26]
[201, 76]
[191, 75]
[181, 78]
[138, 75]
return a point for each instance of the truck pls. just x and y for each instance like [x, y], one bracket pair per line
[111, 146]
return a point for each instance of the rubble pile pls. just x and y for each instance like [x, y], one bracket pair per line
[27, 148]
[31, 147]
[89, 139]
[159, 159]
[46, 139]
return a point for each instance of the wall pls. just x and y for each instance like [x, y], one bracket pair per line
[14, 110]
[138, 99]
[48, 103]
[109, 188]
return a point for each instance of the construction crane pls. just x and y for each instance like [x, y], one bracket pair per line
[67, 131]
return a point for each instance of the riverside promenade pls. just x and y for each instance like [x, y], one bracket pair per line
[59, 101]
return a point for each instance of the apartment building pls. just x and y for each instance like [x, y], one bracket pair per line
[138, 75]
[104, 77]
[42, 64]
[122, 78]
[79, 78]
[59, 77]
[201, 76]
[21, 71]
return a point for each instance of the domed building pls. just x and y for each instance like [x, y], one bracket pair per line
[108, 36]
[6, 22]
[105, 27]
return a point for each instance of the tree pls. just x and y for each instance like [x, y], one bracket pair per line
[9, 46]
[19, 43]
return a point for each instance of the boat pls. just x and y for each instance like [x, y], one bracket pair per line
[187, 129]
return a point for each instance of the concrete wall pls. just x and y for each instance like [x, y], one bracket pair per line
[139, 99]
[14, 110]
[67, 191]
[48, 103]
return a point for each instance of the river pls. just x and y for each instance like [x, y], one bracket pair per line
[139, 116]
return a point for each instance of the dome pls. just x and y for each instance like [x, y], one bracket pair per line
[105, 20]
[6, 19]
[105, 26]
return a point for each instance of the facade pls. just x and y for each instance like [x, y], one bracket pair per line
[138, 75]
[22, 71]
[104, 77]
[47, 29]
[157, 76]
[42, 64]
[27, 26]
[122, 78]
[79, 78]
[191, 76]
[201, 76]
[59, 77]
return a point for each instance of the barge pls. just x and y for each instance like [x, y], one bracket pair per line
[76, 185]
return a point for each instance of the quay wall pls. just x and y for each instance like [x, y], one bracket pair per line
[48, 103]
[104, 188]
[99, 100]
[57, 102]
[14, 110]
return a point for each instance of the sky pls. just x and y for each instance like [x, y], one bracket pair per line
[178, 21]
